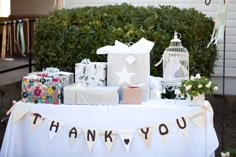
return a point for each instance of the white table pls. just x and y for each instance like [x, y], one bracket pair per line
[19, 141]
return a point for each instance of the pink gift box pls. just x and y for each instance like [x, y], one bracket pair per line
[132, 95]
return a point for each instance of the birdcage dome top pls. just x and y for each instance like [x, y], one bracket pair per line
[176, 45]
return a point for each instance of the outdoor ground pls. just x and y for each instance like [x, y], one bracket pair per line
[12, 91]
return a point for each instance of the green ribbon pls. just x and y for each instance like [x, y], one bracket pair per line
[20, 32]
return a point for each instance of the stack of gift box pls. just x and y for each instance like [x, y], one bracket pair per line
[123, 79]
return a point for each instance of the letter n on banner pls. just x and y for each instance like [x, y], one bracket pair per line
[90, 137]
[109, 137]
[146, 135]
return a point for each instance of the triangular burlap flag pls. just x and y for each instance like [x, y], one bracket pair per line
[182, 125]
[54, 128]
[126, 136]
[197, 118]
[19, 112]
[73, 135]
[146, 135]
[90, 137]
[109, 137]
[35, 120]
[163, 130]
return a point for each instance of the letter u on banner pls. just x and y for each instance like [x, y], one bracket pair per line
[182, 125]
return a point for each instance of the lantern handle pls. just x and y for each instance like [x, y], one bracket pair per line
[129, 44]
[177, 35]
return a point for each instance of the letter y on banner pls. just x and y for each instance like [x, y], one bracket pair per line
[146, 135]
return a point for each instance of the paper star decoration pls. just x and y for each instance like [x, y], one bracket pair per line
[124, 76]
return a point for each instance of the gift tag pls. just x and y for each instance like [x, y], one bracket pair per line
[130, 59]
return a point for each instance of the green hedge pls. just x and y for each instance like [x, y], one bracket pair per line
[232, 152]
[67, 36]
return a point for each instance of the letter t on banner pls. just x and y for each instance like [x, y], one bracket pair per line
[35, 120]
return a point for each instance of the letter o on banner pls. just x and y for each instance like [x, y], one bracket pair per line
[163, 129]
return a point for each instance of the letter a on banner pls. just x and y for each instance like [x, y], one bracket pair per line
[35, 120]
[126, 137]
[90, 137]
[54, 128]
[109, 137]
[73, 135]
[19, 112]
[146, 135]
[182, 125]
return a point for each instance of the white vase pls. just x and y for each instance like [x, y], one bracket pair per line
[196, 100]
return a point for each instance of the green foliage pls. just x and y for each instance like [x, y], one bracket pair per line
[197, 85]
[231, 151]
[66, 37]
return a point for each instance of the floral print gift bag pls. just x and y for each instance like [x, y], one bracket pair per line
[39, 89]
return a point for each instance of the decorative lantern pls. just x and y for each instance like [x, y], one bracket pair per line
[175, 61]
[175, 66]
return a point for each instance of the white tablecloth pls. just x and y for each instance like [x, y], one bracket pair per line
[19, 141]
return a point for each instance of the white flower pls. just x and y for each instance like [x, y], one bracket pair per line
[188, 87]
[199, 86]
[208, 85]
[179, 84]
[215, 88]
[192, 78]
[198, 76]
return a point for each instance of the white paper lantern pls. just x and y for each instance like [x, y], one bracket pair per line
[175, 61]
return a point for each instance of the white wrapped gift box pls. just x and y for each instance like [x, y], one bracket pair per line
[129, 65]
[98, 95]
[91, 74]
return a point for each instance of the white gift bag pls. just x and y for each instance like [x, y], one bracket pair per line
[129, 65]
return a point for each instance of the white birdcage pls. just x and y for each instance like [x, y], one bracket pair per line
[175, 61]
